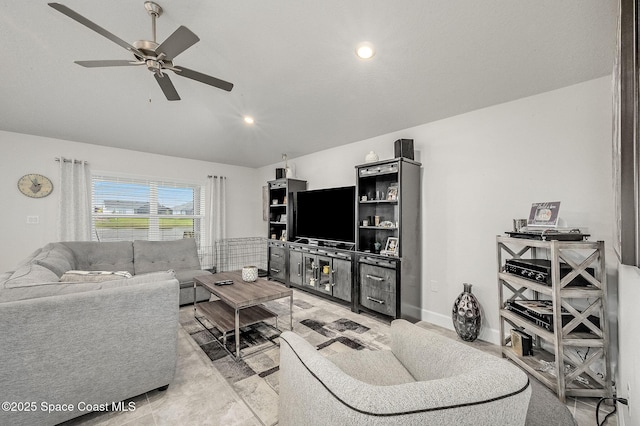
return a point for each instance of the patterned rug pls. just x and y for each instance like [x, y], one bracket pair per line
[329, 326]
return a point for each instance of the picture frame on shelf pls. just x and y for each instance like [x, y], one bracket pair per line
[391, 247]
[392, 192]
[282, 218]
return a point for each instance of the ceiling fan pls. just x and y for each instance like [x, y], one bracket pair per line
[157, 57]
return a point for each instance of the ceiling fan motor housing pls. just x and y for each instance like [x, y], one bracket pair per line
[147, 47]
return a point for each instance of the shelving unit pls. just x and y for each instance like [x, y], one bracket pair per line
[572, 357]
[281, 226]
[388, 190]
[281, 207]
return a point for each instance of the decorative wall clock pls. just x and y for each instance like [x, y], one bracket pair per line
[35, 186]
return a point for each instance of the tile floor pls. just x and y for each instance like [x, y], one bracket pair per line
[200, 395]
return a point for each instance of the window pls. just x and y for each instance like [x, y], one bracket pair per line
[127, 209]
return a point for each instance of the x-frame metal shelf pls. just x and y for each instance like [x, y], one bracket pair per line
[584, 303]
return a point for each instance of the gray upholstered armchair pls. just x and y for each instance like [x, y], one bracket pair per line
[424, 379]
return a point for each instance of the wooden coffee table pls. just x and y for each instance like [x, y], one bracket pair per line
[239, 304]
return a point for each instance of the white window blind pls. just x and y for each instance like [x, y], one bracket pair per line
[127, 209]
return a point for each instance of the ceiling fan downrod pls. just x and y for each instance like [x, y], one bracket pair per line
[154, 11]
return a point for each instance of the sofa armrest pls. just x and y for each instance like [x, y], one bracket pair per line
[92, 347]
[315, 391]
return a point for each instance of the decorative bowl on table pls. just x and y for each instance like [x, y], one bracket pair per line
[249, 273]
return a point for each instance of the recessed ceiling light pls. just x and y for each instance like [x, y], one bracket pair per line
[365, 50]
[248, 120]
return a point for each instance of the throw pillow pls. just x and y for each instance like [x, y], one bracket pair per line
[57, 258]
[30, 274]
[93, 276]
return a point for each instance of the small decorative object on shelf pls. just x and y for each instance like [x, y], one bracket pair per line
[518, 224]
[371, 157]
[521, 343]
[249, 273]
[392, 192]
[466, 315]
[288, 170]
[391, 247]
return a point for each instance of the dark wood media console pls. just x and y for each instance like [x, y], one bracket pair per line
[361, 275]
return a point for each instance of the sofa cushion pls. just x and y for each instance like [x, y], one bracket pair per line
[93, 276]
[380, 368]
[151, 256]
[185, 276]
[29, 275]
[47, 289]
[102, 256]
[57, 257]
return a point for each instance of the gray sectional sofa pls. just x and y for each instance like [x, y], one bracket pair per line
[70, 347]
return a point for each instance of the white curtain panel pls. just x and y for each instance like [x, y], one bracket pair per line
[74, 211]
[216, 217]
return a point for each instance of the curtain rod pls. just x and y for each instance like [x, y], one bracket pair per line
[216, 177]
[67, 160]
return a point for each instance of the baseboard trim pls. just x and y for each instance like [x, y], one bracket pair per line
[486, 334]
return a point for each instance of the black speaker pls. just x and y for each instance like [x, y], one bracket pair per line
[403, 148]
[281, 173]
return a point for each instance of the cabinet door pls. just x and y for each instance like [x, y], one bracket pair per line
[378, 288]
[309, 267]
[341, 279]
[295, 267]
[324, 274]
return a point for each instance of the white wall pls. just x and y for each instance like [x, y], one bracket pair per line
[629, 362]
[484, 168]
[22, 154]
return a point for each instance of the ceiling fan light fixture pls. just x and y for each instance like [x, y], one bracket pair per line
[249, 120]
[365, 50]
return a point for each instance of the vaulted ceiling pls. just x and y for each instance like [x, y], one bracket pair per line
[294, 68]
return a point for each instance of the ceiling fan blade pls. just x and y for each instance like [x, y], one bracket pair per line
[167, 87]
[108, 63]
[203, 78]
[178, 42]
[95, 27]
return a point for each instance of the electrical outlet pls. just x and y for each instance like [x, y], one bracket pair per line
[32, 220]
[434, 286]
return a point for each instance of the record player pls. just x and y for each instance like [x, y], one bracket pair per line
[548, 234]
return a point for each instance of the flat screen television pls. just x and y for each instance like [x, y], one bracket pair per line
[327, 214]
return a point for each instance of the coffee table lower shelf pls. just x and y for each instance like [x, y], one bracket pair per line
[222, 316]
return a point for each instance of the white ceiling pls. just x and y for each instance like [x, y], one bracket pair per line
[294, 69]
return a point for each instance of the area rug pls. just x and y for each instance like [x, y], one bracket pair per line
[330, 327]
